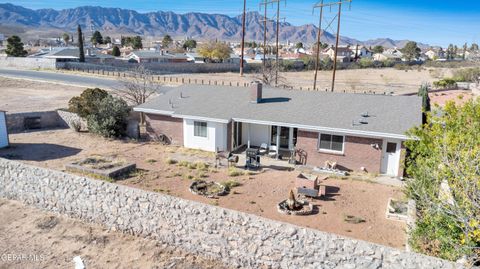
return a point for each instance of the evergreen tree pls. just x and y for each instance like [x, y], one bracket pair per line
[116, 51]
[136, 42]
[97, 38]
[167, 41]
[80, 44]
[15, 47]
[107, 40]
[423, 92]
[411, 51]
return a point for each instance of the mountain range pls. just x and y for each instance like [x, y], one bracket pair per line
[115, 21]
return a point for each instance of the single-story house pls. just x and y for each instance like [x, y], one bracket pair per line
[358, 131]
[153, 56]
[72, 54]
[4, 142]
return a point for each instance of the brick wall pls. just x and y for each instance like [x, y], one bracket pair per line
[358, 152]
[167, 125]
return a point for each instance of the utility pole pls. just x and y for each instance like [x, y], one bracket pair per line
[338, 16]
[336, 46]
[243, 37]
[319, 36]
[265, 3]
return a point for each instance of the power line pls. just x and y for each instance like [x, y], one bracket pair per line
[322, 5]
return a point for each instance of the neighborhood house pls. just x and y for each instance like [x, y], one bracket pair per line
[357, 131]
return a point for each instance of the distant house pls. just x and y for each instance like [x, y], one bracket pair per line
[361, 52]
[357, 131]
[155, 56]
[195, 57]
[344, 54]
[435, 54]
[72, 54]
[384, 56]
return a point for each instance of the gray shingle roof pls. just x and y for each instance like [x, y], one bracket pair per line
[387, 114]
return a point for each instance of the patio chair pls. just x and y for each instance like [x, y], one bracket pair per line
[272, 152]
[263, 149]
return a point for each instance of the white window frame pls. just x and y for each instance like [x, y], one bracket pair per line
[206, 128]
[330, 150]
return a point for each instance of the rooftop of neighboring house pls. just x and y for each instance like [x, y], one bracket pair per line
[388, 116]
[69, 53]
[157, 54]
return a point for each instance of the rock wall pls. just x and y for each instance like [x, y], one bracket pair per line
[72, 120]
[16, 122]
[28, 63]
[234, 237]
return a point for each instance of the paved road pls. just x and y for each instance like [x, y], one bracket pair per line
[67, 79]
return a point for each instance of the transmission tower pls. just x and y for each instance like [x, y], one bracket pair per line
[321, 5]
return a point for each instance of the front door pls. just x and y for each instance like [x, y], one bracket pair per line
[391, 158]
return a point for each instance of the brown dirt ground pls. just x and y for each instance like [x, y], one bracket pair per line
[378, 80]
[458, 96]
[53, 240]
[25, 96]
[258, 193]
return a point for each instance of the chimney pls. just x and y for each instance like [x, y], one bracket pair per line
[256, 92]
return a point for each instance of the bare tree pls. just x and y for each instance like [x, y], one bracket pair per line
[269, 73]
[138, 88]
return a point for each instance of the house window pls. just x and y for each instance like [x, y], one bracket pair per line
[200, 128]
[331, 143]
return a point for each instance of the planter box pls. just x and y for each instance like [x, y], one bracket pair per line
[307, 181]
[115, 172]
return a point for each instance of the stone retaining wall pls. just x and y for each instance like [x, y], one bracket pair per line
[234, 237]
[28, 63]
[47, 119]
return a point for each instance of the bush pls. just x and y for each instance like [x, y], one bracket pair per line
[365, 63]
[87, 102]
[445, 83]
[110, 117]
[234, 172]
[230, 184]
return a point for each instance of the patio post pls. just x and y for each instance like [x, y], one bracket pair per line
[248, 127]
[279, 128]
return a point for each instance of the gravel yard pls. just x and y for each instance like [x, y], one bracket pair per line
[171, 170]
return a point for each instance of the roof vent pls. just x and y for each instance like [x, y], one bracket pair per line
[365, 115]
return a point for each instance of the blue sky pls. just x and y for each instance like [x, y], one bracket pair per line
[437, 22]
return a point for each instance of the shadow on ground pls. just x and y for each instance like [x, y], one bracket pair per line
[37, 152]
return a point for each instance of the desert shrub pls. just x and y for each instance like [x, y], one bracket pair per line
[87, 103]
[183, 163]
[445, 83]
[110, 117]
[365, 63]
[234, 172]
[388, 63]
[201, 166]
[467, 75]
[230, 184]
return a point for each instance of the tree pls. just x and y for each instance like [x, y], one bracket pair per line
[189, 44]
[269, 74]
[423, 92]
[167, 41]
[474, 47]
[444, 166]
[136, 42]
[97, 38]
[411, 51]
[139, 88]
[378, 49]
[80, 44]
[107, 40]
[66, 38]
[215, 50]
[116, 51]
[110, 120]
[299, 45]
[85, 104]
[15, 47]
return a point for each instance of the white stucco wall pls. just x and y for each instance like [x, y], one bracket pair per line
[258, 134]
[216, 136]
[3, 130]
